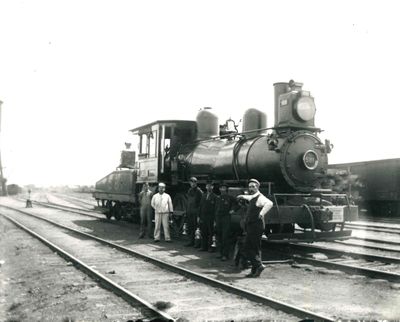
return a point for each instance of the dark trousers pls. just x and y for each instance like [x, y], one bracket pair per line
[252, 243]
[191, 220]
[207, 229]
[224, 234]
[146, 220]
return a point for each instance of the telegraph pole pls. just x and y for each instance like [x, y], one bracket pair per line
[2, 179]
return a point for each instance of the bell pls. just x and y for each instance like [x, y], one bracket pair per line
[184, 229]
[214, 242]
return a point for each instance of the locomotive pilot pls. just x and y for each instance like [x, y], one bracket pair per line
[207, 216]
[257, 208]
[193, 203]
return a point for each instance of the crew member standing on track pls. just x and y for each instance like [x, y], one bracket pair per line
[207, 217]
[226, 206]
[258, 206]
[145, 211]
[162, 204]
[192, 212]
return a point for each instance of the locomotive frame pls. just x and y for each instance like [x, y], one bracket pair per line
[290, 161]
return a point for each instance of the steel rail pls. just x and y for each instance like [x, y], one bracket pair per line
[383, 259]
[386, 249]
[393, 277]
[73, 199]
[116, 288]
[273, 303]
[55, 206]
[370, 228]
[363, 224]
[65, 208]
[381, 241]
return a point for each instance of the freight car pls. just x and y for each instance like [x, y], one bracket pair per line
[13, 189]
[288, 159]
[379, 191]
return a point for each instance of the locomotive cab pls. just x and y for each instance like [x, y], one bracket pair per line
[158, 145]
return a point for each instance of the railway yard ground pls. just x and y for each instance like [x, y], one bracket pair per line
[39, 285]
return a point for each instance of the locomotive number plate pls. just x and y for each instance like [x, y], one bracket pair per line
[337, 213]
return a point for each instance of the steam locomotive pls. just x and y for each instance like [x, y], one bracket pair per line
[289, 160]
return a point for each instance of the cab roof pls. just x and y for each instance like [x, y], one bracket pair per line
[147, 127]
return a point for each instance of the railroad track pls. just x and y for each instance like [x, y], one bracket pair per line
[387, 220]
[75, 200]
[155, 279]
[382, 244]
[80, 211]
[375, 266]
[338, 262]
[144, 246]
[372, 227]
[63, 291]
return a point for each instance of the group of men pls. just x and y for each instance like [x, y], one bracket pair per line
[212, 214]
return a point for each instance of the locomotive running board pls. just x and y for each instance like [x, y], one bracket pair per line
[308, 237]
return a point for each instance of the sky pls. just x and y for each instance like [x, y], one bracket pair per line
[76, 76]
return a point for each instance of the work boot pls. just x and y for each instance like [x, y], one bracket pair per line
[259, 271]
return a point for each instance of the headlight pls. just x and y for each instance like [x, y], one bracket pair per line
[305, 108]
[310, 160]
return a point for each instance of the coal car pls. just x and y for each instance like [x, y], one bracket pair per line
[289, 159]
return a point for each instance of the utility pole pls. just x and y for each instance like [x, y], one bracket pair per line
[2, 179]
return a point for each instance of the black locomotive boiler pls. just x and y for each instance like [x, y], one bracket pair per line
[288, 159]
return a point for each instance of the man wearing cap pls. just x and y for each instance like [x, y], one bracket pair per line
[207, 216]
[162, 204]
[258, 206]
[226, 206]
[192, 211]
[146, 211]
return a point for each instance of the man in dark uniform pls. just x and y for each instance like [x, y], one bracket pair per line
[146, 211]
[226, 206]
[193, 203]
[207, 216]
[257, 208]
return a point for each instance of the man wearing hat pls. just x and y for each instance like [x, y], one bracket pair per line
[192, 211]
[207, 216]
[258, 207]
[146, 210]
[226, 206]
[162, 204]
